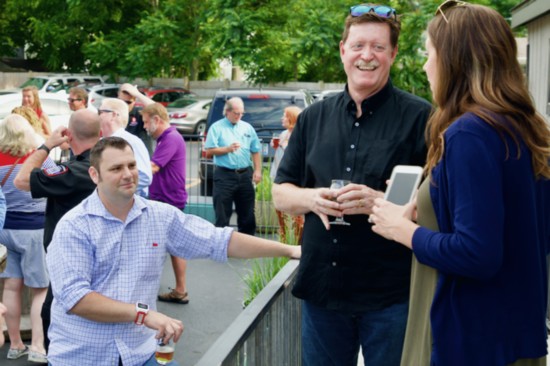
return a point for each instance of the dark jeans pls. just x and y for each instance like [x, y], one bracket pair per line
[332, 338]
[153, 362]
[229, 187]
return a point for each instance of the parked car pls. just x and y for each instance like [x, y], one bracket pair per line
[97, 93]
[324, 94]
[263, 109]
[166, 96]
[54, 105]
[60, 82]
[182, 102]
[190, 119]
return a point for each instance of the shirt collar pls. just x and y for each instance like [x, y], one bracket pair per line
[165, 132]
[83, 156]
[372, 103]
[228, 122]
[97, 208]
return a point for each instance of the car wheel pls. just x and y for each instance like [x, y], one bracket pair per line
[200, 128]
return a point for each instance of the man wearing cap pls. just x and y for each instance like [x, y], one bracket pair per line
[129, 94]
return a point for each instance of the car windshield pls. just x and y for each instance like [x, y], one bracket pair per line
[182, 102]
[38, 82]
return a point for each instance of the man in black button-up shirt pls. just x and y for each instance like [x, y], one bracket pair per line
[354, 283]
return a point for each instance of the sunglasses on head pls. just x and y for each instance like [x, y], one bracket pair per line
[447, 5]
[380, 10]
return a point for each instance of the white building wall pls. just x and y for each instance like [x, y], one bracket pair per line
[539, 63]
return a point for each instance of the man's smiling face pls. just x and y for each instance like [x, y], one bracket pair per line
[367, 56]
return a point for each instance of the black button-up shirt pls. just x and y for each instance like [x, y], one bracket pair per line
[349, 267]
[65, 187]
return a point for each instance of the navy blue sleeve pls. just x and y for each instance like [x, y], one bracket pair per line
[470, 176]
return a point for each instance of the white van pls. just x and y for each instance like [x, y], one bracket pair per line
[61, 82]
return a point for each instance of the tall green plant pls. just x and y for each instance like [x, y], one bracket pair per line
[263, 270]
[263, 189]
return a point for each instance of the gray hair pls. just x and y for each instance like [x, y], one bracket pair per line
[119, 107]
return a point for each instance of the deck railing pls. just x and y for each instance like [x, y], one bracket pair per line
[267, 332]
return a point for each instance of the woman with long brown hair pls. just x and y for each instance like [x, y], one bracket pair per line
[483, 214]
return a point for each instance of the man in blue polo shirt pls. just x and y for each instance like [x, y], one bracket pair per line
[231, 142]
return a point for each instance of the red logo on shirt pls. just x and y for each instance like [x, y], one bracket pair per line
[155, 245]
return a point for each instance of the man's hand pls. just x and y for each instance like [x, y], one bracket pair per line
[357, 199]
[233, 147]
[323, 203]
[22, 180]
[57, 138]
[167, 328]
[130, 89]
[295, 251]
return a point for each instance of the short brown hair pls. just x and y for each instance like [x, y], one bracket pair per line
[156, 109]
[97, 151]
[80, 93]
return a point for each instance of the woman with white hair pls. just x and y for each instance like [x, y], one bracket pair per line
[23, 236]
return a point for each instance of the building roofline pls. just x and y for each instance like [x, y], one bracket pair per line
[529, 10]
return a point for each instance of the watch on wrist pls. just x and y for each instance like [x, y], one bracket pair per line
[45, 148]
[142, 310]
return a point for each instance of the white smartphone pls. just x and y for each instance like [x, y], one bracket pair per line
[404, 182]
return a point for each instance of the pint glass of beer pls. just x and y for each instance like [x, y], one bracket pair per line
[164, 353]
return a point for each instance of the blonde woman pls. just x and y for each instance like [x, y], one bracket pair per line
[30, 115]
[23, 236]
[31, 99]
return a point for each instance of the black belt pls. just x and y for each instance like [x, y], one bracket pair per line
[239, 171]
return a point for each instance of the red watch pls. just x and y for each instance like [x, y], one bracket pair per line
[142, 310]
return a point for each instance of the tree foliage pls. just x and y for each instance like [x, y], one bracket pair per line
[271, 40]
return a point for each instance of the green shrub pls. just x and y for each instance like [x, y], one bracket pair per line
[263, 189]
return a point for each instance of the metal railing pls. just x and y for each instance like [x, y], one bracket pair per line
[199, 202]
[268, 330]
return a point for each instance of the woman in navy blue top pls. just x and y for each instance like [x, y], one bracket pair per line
[488, 165]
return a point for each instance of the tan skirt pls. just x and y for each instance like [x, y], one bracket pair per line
[417, 347]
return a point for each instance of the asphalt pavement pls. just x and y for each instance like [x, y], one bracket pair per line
[216, 292]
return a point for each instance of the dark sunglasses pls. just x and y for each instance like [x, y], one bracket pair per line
[380, 10]
[128, 101]
[447, 5]
[71, 100]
